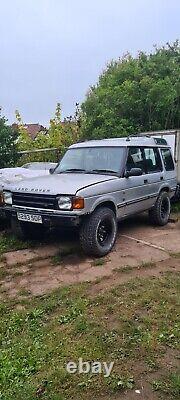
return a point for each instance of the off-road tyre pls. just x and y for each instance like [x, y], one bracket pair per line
[98, 232]
[160, 213]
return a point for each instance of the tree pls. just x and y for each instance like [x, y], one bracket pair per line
[8, 148]
[24, 141]
[61, 134]
[135, 95]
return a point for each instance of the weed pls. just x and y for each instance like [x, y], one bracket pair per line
[3, 272]
[24, 292]
[175, 255]
[170, 385]
[17, 273]
[126, 269]
[8, 242]
[117, 383]
[148, 264]
[99, 262]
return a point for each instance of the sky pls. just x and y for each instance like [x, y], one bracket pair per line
[54, 50]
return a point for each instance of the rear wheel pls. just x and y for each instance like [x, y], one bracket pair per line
[98, 232]
[160, 213]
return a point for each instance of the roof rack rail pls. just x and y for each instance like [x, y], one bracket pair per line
[136, 135]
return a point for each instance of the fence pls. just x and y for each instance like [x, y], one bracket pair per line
[45, 155]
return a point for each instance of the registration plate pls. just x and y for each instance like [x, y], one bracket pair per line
[37, 219]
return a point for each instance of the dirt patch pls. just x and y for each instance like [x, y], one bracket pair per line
[142, 390]
[119, 278]
[140, 251]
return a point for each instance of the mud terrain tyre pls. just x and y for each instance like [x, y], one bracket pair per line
[98, 232]
[159, 214]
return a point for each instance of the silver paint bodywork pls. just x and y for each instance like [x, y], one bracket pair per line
[128, 196]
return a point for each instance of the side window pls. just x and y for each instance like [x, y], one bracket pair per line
[167, 159]
[135, 159]
[153, 160]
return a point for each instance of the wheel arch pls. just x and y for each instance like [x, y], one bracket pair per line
[165, 189]
[105, 203]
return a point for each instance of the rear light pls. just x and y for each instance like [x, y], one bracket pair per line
[78, 203]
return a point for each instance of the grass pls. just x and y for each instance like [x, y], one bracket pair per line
[129, 268]
[8, 242]
[129, 324]
[176, 207]
[3, 272]
[175, 255]
[170, 385]
[148, 264]
[126, 269]
[98, 262]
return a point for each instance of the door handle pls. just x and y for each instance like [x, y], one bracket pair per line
[145, 180]
[161, 178]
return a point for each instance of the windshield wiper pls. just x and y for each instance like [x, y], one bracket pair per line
[109, 171]
[73, 170]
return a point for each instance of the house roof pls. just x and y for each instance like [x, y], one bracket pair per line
[34, 129]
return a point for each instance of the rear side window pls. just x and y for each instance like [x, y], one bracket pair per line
[167, 159]
[153, 160]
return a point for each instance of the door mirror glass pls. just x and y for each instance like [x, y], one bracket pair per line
[133, 172]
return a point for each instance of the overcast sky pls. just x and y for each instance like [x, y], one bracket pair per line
[53, 50]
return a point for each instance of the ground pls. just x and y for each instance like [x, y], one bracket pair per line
[57, 305]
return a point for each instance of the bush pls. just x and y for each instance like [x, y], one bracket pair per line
[8, 148]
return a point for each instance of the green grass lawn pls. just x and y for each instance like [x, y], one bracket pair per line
[133, 324]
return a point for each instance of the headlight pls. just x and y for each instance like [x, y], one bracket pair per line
[64, 203]
[68, 203]
[7, 198]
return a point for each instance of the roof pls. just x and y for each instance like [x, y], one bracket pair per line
[120, 142]
[34, 129]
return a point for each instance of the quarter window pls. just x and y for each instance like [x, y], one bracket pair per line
[167, 159]
[153, 160]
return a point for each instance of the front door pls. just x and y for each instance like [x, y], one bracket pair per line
[135, 187]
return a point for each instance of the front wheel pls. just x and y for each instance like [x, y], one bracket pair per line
[160, 213]
[98, 232]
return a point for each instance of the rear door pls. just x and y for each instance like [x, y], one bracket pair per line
[154, 174]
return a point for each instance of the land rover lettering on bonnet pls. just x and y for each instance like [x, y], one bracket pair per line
[96, 184]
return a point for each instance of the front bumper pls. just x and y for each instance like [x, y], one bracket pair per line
[49, 219]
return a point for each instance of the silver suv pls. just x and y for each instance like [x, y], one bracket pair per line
[96, 184]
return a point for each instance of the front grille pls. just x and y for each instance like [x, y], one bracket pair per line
[34, 200]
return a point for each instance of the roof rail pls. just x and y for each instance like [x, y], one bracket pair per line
[136, 135]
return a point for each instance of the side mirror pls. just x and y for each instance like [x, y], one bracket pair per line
[51, 170]
[133, 172]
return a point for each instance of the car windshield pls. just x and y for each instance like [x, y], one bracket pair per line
[102, 160]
